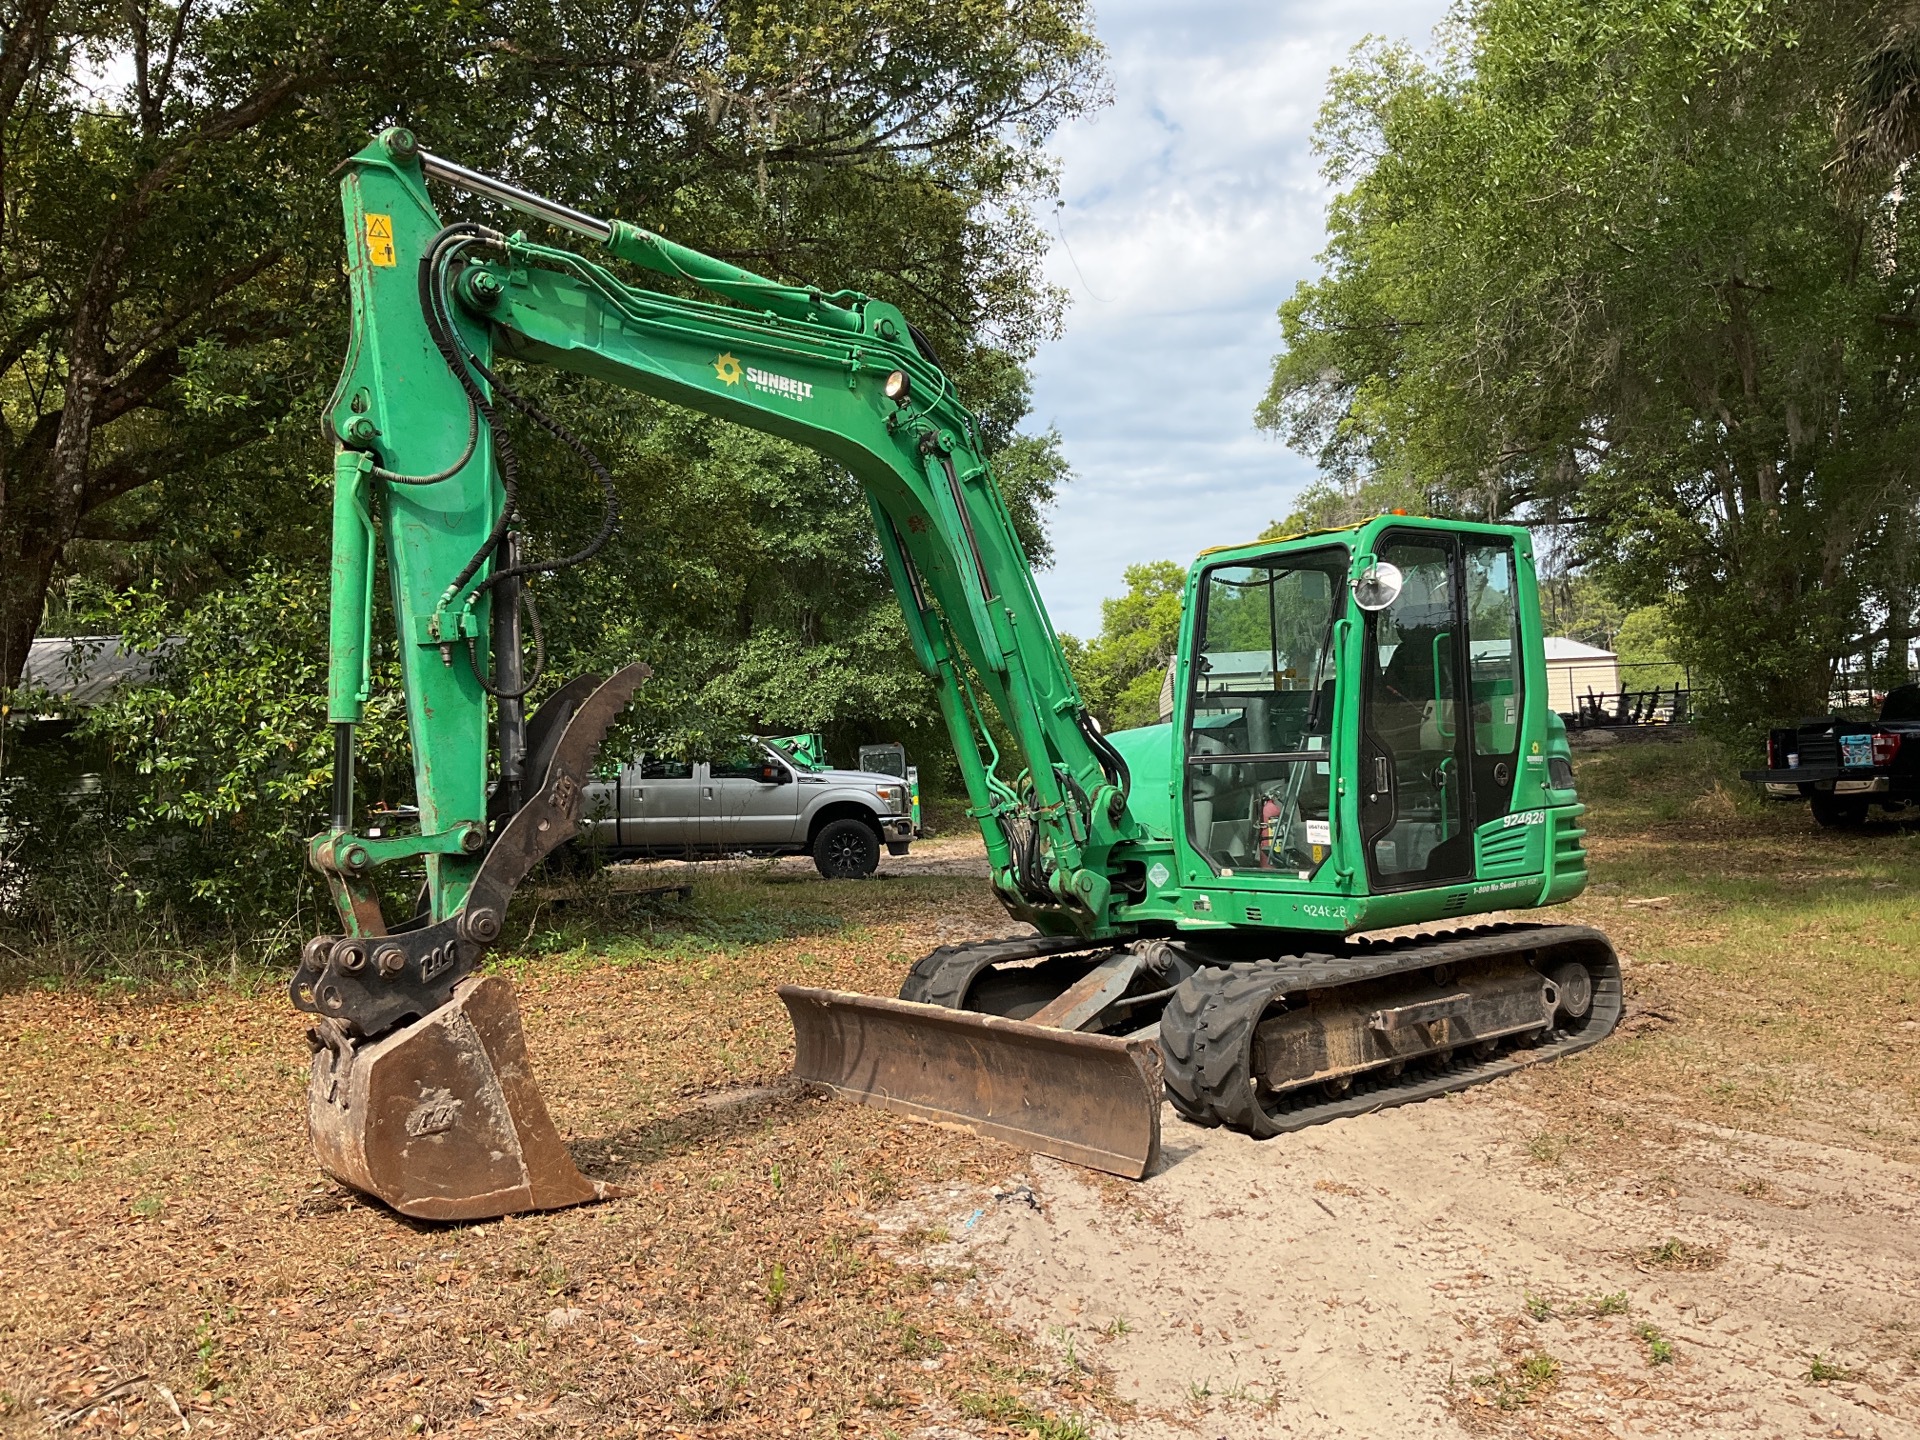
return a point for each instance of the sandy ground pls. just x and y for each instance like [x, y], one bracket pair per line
[1394, 1275]
[1375, 1278]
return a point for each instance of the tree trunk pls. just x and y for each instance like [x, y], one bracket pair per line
[32, 556]
[1893, 669]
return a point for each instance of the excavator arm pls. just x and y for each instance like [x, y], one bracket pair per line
[857, 390]
[420, 1085]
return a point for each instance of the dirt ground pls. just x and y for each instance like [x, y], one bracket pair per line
[1705, 1226]
[1419, 1273]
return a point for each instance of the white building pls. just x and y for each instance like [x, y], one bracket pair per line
[1573, 669]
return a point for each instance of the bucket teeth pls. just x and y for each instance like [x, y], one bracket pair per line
[442, 1119]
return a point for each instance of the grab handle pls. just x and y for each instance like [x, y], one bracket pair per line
[1440, 704]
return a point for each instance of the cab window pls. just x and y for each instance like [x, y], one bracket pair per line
[1497, 689]
[1260, 711]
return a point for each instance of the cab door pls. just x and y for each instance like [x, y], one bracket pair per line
[1417, 782]
[1497, 690]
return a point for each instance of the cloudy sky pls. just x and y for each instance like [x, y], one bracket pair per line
[1192, 206]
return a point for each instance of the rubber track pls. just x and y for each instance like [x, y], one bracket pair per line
[945, 976]
[1206, 1031]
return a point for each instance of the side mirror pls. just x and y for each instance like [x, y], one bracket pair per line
[771, 774]
[1377, 586]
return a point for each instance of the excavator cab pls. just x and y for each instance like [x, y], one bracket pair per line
[1386, 747]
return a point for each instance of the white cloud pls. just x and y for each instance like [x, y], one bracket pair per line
[1193, 205]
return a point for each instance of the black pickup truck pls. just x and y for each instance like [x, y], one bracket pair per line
[1842, 766]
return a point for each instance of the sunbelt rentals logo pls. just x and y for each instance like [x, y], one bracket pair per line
[731, 372]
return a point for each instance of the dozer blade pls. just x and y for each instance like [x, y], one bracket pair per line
[442, 1119]
[1093, 1100]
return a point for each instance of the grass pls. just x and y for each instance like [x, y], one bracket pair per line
[776, 1288]
[1521, 1384]
[1679, 1255]
[1823, 1371]
[1539, 1369]
[160, 1212]
[1547, 1147]
[1020, 1418]
[1659, 1348]
[1749, 981]
[1069, 1347]
[609, 917]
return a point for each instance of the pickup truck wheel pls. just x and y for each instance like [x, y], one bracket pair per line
[1838, 812]
[846, 850]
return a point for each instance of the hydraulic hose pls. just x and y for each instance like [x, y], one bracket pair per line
[436, 304]
[473, 440]
[525, 600]
[436, 307]
[1115, 761]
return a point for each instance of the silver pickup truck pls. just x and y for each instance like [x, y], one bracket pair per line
[755, 802]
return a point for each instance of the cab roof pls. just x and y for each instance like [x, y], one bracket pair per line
[1389, 519]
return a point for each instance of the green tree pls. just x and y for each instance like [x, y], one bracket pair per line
[1121, 672]
[1577, 606]
[1644, 642]
[165, 247]
[1589, 267]
[172, 311]
[172, 317]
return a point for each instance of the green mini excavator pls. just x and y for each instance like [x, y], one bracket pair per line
[1358, 742]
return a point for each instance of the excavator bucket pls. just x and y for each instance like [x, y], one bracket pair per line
[442, 1119]
[1093, 1100]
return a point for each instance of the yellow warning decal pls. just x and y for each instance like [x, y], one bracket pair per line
[380, 239]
